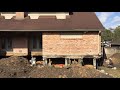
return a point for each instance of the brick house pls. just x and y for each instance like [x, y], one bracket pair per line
[68, 35]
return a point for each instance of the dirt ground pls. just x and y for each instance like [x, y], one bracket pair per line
[116, 62]
[19, 67]
[116, 59]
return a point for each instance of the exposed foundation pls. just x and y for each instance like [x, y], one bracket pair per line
[83, 60]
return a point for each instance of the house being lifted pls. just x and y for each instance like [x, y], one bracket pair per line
[66, 35]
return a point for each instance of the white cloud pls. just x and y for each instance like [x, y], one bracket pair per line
[113, 26]
[103, 16]
[116, 19]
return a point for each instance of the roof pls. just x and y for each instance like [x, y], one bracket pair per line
[79, 21]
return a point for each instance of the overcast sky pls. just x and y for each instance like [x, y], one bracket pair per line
[109, 19]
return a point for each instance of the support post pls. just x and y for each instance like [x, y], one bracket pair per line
[66, 62]
[74, 61]
[49, 64]
[69, 61]
[94, 63]
[44, 61]
[80, 60]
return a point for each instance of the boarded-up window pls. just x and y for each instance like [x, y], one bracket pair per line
[71, 35]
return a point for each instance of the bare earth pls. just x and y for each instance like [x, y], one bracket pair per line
[19, 67]
[116, 62]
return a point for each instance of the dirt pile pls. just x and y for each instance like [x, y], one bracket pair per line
[50, 72]
[87, 72]
[116, 59]
[14, 67]
[75, 71]
[19, 67]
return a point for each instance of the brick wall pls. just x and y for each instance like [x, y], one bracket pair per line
[53, 44]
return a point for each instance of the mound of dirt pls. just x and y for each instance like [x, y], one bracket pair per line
[75, 71]
[14, 67]
[116, 59]
[86, 72]
[19, 67]
[50, 72]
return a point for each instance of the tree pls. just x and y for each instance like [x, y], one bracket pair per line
[107, 35]
[116, 38]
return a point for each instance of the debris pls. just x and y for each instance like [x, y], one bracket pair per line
[39, 62]
[58, 65]
[102, 71]
[33, 61]
[106, 73]
[108, 63]
[89, 66]
[114, 68]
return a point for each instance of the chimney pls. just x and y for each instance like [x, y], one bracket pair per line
[19, 15]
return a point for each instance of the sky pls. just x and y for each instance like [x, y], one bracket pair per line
[109, 19]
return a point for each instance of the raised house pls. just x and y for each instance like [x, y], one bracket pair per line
[67, 35]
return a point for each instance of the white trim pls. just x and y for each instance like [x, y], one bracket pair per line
[8, 16]
[58, 15]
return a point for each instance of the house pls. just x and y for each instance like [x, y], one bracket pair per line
[67, 35]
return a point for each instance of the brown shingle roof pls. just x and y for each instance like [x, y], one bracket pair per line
[77, 21]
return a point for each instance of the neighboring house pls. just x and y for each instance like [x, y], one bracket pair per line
[74, 35]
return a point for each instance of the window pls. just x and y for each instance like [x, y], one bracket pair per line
[36, 43]
[6, 43]
[3, 43]
[71, 35]
[9, 44]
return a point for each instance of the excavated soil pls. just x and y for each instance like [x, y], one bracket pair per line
[14, 67]
[116, 59]
[19, 67]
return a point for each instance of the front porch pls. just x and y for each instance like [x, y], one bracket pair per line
[20, 43]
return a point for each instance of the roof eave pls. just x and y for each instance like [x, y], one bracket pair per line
[58, 30]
